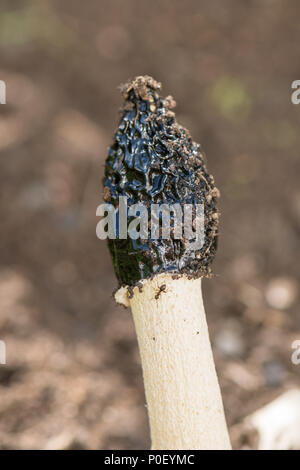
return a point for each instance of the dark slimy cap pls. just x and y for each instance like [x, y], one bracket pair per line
[154, 160]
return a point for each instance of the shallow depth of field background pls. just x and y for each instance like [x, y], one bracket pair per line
[73, 376]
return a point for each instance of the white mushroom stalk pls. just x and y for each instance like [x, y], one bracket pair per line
[181, 386]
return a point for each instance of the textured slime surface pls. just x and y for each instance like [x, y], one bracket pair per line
[154, 160]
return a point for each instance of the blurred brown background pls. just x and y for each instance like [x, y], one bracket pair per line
[73, 377]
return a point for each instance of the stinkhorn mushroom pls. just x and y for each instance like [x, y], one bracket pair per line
[154, 162]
